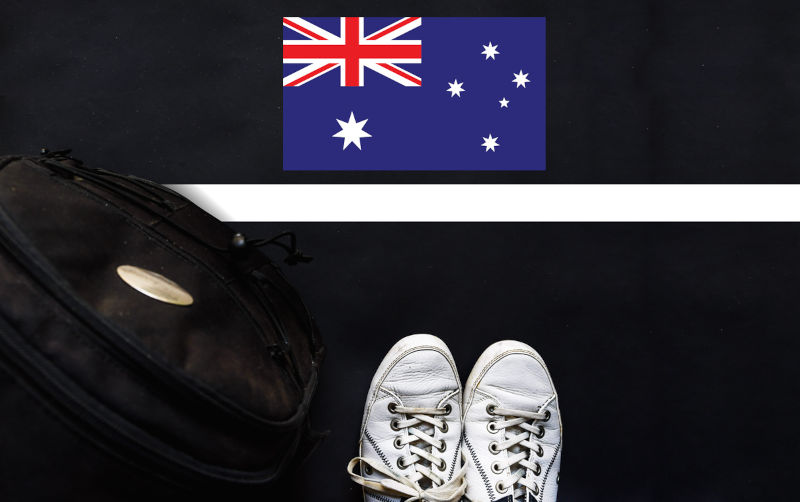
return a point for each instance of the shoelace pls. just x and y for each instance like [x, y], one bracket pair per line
[400, 486]
[417, 438]
[522, 448]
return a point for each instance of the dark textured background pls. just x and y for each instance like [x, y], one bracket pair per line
[189, 92]
[673, 346]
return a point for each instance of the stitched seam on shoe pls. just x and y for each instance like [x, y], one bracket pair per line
[380, 497]
[380, 453]
[547, 403]
[389, 368]
[524, 394]
[458, 445]
[547, 472]
[378, 450]
[455, 459]
[448, 396]
[486, 482]
[496, 358]
[395, 396]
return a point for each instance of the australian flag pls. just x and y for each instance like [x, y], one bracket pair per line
[411, 93]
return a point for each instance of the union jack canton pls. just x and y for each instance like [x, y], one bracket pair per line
[351, 51]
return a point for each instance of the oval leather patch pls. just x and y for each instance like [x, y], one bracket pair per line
[154, 285]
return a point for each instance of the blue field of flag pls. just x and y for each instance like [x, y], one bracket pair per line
[403, 94]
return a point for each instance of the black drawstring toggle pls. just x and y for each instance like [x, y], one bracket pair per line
[238, 241]
[57, 153]
[293, 254]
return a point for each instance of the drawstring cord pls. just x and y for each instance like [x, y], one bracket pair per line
[238, 241]
[293, 254]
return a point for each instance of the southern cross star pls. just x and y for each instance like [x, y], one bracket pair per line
[520, 79]
[455, 88]
[490, 51]
[504, 103]
[490, 142]
[352, 131]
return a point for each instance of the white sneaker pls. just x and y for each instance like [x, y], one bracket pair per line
[512, 427]
[411, 431]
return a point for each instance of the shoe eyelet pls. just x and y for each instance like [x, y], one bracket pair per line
[443, 448]
[392, 407]
[398, 442]
[546, 415]
[367, 469]
[539, 434]
[448, 408]
[538, 469]
[395, 424]
[493, 448]
[540, 451]
[535, 489]
[492, 427]
[442, 466]
[400, 463]
[500, 487]
[445, 427]
[496, 468]
[490, 409]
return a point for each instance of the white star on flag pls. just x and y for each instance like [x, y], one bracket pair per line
[504, 103]
[520, 79]
[455, 88]
[352, 131]
[490, 51]
[490, 142]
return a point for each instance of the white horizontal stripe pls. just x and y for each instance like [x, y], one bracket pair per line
[460, 202]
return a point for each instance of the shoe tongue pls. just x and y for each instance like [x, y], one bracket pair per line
[421, 379]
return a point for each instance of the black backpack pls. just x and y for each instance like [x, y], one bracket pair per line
[147, 351]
